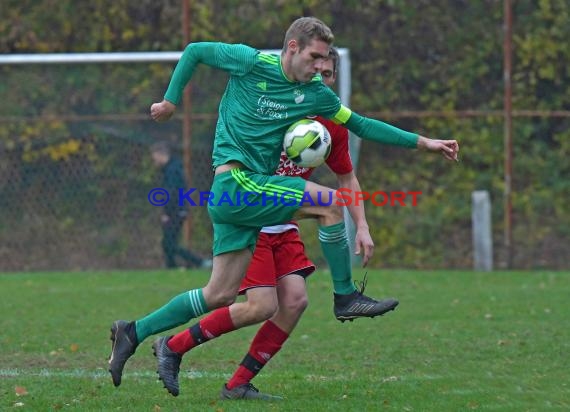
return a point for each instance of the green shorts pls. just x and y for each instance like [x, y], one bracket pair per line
[242, 202]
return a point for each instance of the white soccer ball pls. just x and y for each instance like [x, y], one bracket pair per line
[307, 143]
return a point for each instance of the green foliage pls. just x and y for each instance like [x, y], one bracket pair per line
[421, 55]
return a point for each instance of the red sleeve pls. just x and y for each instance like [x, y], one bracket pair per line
[339, 160]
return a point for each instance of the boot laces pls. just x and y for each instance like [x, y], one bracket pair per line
[360, 287]
[361, 284]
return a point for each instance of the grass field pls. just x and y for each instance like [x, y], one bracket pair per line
[458, 341]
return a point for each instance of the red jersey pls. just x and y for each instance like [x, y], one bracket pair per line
[339, 159]
[339, 162]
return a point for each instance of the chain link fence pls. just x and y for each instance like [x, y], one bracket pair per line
[75, 172]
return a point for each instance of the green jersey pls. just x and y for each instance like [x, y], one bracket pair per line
[260, 103]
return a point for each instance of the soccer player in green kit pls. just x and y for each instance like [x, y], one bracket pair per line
[264, 96]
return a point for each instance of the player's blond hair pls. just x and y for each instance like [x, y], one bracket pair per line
[306, 29]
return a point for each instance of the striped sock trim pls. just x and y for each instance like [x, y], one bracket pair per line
[337, 234]
[332, 237]
[333, 233]
[197, 303]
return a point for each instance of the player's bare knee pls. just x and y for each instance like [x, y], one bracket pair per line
[261, 311]
[295, 304]
[300, 304]
[218, 298]
[225, 299]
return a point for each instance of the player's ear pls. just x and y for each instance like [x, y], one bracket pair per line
[293, 45]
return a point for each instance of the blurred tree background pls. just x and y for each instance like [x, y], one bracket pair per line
[74, 163]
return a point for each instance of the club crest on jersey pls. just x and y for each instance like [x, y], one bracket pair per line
[299, 96]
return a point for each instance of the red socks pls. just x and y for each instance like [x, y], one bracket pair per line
[215, 324]
[268, 341]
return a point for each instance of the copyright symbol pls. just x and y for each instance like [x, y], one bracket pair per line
[158, 196]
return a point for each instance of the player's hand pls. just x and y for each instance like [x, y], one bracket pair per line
[162, 111]
[448, 148]
[363, 245]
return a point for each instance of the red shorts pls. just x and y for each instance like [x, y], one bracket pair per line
[276, 255]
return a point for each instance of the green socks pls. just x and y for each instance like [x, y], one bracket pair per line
[334, 244]
[179, 310]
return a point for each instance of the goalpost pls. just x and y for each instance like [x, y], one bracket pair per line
[343, 83]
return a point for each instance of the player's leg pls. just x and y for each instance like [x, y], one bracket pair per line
[294, 266]
[269, 340]
[221, 290]
[260, 305]
[232, 253]
[349, 303]
[291, 288]
[259, 286]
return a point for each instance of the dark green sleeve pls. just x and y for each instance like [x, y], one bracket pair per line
[366, 128]
[380, 132]
[235, 58]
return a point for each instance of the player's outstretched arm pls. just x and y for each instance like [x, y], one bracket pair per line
[448, 148]
[378, 131]
[162, 111]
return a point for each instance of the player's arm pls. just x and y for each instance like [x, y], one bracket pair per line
[234, 58]
[364, 245]
[380, 132]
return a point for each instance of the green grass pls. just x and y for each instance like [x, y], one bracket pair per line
[459, 341]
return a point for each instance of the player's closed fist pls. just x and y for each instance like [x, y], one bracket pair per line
[162, 111]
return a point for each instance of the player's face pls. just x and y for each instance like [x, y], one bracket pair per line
[328, 74]
[309, 61]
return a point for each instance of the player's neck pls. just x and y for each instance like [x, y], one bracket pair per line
[286, 68]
